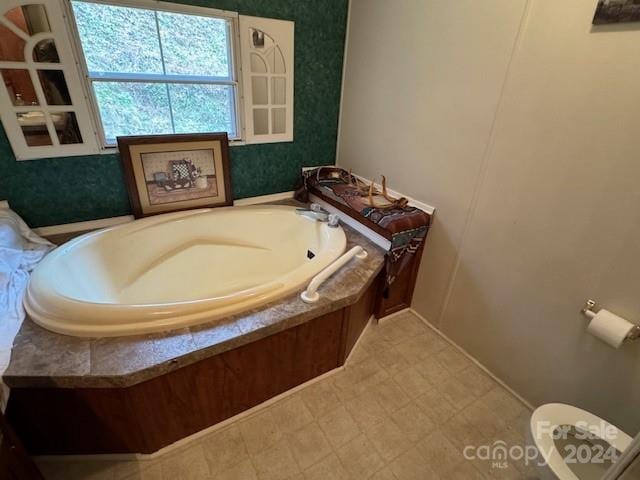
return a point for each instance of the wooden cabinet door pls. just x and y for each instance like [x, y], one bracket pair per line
[15, 463]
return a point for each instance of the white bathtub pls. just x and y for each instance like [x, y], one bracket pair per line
[178, 269]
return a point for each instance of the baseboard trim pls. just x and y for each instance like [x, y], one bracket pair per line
[143, 457]
[76, 227]
[473, 359]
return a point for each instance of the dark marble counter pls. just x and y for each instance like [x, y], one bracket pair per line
[41, 358]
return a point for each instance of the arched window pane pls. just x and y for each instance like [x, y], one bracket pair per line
[45, 51]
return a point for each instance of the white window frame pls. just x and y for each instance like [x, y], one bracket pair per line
[234, 57]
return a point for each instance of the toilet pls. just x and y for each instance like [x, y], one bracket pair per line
[556, 428]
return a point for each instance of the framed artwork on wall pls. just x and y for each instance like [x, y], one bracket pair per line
[617, 11]
[166, 173]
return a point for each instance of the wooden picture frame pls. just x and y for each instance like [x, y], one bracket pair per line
[168, 173]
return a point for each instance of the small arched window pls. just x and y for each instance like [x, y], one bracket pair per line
[268, 77]
[43, 109]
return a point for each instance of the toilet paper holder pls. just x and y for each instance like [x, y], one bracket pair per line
[589, 311]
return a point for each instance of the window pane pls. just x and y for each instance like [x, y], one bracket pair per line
[133, 109]
[118, 39]
[67, 128]
[202, 108]
[259, 90]
[260, 121]
[34, 128]
[54, 87]
[45, 51]
[20, 87]
[278, 120]
[31, 19]
[194, 45]
[11, 46]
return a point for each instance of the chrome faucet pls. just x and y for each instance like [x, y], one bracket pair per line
[316, 212]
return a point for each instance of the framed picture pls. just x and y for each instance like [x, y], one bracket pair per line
[617, 11]
[166, 173]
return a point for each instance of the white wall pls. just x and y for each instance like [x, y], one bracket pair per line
[520, 124]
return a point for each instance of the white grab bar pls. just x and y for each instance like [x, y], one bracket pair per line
[311, 295]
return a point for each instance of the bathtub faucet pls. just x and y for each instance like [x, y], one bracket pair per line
[316, 212]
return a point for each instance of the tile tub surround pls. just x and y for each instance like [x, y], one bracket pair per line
[42, 359]
[391, 414]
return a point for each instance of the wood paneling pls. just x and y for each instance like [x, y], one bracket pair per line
[359, 315]
[148, 416]
[399, 294]
[15, 463]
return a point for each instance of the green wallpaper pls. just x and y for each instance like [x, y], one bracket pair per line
[73, 189]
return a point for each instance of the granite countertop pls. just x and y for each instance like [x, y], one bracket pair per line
[42, 359]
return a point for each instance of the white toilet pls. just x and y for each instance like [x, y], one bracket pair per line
[565, 452]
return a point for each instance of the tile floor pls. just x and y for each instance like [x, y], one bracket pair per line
[404, 408]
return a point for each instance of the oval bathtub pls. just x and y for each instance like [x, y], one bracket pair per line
[178, 269]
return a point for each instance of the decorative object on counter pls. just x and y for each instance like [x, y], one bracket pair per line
[405, 226]
[165, 173]
[616, 11]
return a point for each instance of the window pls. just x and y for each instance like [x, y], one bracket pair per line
[79, 73]
[157, 72]
[41, 103]
[267, 62]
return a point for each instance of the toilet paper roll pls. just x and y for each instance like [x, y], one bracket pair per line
[610, 328]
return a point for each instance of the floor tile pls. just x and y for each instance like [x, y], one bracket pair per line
[388, 439]
[440, 454]
[413, 422]
[412, 382]
[260, 431]
[308, 445]
[390, 359]
[187, 464]
[477, 381]
[462, 433]
[366, 410]
[329, 468]
[242, 471]
[320, 397]
[435, 406]
[412, 466]
[391, 332]
[339, 426]
[484, 419]
[360, 458]
[389, 394]
[224, 449]
[458, 395]
[500, 400]
[453, 360]
[433, 370]
[465, 471]
[275, 463]
[384, 474]
[290, 414]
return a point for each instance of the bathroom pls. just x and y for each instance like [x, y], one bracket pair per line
[507, 127]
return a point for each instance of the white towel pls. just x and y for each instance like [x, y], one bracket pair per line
[20, 251]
